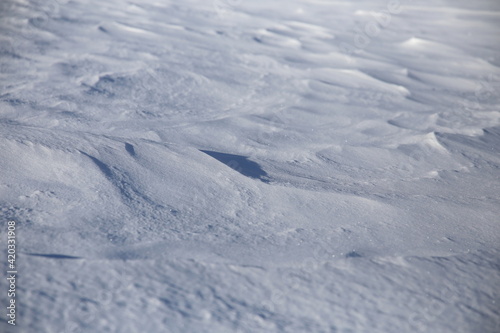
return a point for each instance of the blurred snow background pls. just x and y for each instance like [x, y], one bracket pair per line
[252, 166]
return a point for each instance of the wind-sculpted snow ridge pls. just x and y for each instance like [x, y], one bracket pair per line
[251, 166]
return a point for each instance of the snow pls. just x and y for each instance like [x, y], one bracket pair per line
[251, 166]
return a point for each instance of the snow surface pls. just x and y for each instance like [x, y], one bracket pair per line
[252, 166]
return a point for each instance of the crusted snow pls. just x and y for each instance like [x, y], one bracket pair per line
[252, 166]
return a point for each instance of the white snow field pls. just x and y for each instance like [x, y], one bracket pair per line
[251, 166]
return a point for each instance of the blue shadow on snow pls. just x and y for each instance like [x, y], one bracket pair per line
[241, 164]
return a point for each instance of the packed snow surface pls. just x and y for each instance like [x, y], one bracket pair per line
[251, 166]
